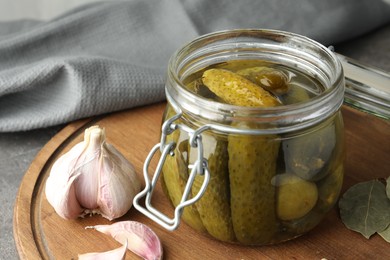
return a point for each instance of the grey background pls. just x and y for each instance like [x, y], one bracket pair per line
[17, 150]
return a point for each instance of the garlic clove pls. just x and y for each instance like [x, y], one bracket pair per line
[116, 254]
[112, 203]
[88, 167]
[59, 189]
[142, 240]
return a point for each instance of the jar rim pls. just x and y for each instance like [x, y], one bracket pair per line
[303, 114]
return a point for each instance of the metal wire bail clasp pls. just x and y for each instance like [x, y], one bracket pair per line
[167, 149]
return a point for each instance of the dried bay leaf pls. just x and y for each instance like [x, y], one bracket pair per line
[365, 208]
[385, 233]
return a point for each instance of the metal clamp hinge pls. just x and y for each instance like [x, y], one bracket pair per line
[200, 167]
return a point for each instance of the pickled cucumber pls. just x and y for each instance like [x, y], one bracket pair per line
[295, 196]
[214, 206]
[237, 90]
[200, 89]
[270, 79]
[252, 161]
[252, 166]
[329, 188]
[174, 184]
[304, 224]
[295, 95]
[309, 156]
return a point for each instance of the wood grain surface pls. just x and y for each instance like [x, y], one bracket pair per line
[41, 234]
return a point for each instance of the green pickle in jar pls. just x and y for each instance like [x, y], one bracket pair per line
[263, 188]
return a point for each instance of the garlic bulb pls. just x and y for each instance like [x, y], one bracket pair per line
[93, 177]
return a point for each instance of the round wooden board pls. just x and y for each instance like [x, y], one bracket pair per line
[41, 234]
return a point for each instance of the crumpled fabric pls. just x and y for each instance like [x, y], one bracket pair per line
[110, 56]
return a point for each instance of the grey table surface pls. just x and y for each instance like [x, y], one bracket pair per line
[17, 150]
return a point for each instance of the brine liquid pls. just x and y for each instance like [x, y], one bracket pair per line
[300, 86]
[263, 189]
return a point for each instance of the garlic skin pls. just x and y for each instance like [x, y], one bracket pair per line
[92, 178]
[115, 254]
[141, 239]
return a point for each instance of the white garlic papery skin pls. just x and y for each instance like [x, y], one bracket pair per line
[93, 177]
[141, 239]
[116, 254]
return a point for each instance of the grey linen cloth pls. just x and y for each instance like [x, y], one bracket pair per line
[110, 56]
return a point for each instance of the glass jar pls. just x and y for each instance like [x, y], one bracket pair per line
[251, 175]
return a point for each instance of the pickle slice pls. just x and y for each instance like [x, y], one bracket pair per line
[174, 168]
[214, 206]
[237, 90]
